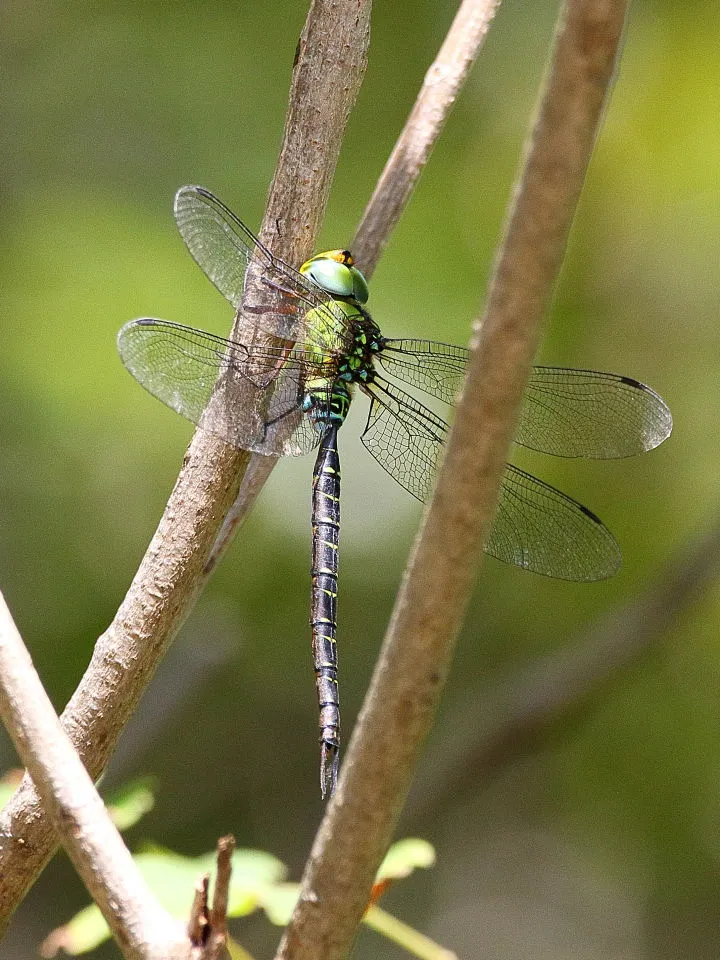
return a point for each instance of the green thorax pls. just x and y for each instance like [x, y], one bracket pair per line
[345, 335]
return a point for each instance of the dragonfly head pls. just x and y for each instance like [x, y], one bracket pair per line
[334, 271]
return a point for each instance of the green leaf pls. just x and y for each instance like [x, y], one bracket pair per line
[404, 857]
[172, 879]
[278, 901]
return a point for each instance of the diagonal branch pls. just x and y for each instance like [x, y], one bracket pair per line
[331, 56]
[440, 89]
[141, 927]
[416, 654]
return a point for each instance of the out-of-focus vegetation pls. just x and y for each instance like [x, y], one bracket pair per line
[257, 882]
[606, 841]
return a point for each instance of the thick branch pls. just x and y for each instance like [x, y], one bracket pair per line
[416, 653]
[141, 927]
[331, 56]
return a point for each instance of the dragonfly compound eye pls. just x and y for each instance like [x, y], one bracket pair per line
[336, 278]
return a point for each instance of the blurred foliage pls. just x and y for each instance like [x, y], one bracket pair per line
[256, 883]
[606, 842]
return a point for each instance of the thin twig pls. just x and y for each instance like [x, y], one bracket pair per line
[416, 653]
[216, 947]
[218, 915]
[331, 56]
[519, 712]
[141, 927]
[436, 98]
[199, 919]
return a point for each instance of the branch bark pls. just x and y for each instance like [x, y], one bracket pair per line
[331, 56]
[141, 927]
[417, 650]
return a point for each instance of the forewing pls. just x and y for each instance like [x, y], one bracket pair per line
[275, 298]
[566, 412]
[255, 405]
[584, 413]
[436, 368]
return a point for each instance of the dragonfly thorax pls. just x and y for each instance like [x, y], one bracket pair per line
[354, 340]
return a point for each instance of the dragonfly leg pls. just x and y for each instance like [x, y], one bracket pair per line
[326, 530]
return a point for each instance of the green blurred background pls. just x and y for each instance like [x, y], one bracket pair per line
[605, 841]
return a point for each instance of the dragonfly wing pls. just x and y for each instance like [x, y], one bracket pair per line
[566, 412]
[435, 368]
[537, 527]
[252, 406]
[275, 298]
[585, 413]
[541, 529]
[404, 436]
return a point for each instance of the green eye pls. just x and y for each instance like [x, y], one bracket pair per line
[360, 287]
[336, 278]
[332, 276]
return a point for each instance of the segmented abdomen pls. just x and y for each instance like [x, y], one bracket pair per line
[326, 531]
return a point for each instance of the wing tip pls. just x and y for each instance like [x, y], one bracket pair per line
[190, 189]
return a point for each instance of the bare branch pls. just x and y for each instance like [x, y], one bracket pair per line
[443, 82]
[199, 920]
[331, 56]
[416, 653]
[217, 943]
[139, 924]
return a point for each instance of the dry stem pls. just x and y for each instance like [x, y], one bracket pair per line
[141, 927]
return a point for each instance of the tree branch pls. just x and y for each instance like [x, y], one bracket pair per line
[141, 927]
[441, 86]
[331, 55]
[417, 650]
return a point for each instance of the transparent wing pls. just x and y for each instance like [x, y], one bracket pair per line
[584, 413]
[404, 436]
[256, 405]
[537, 527]
[566, 412]
[276, 297]
[541, 529]
[436, 368]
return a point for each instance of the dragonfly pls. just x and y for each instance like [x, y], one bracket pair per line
[304, 344]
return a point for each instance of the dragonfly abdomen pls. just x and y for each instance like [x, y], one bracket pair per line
[323, 616]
